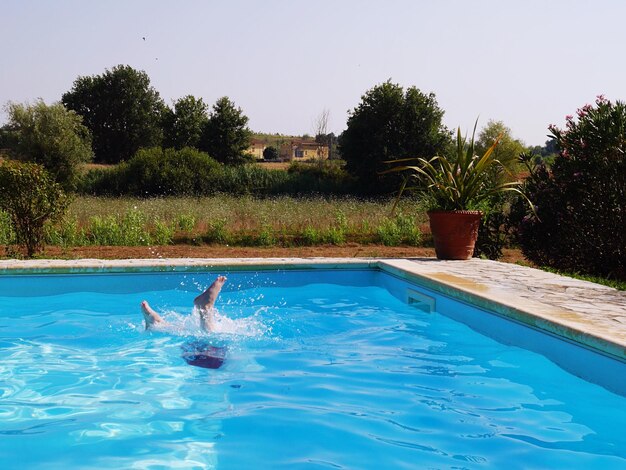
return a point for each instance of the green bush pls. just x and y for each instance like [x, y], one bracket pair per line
[51, 136]
[163, 172]
[217, 232]
[7, 235]
[31, 198]
[270, 153]
[105, 231]
[163, 233]
[186, 222]
[157, 172]
[334, 236]
[580, 198]
[496, 230]
[336, 233]
[398, 231]
[134, 229]
[127, 230]
[310, 236]
[251, 179]
[66, 233]
[266, 236]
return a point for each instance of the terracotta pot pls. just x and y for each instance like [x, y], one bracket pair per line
[454, 233]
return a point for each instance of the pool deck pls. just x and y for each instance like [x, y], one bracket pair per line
[580, 311]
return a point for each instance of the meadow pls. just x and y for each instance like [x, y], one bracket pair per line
[235, 221]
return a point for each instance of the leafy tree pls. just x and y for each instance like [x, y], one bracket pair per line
[508, 149]
[121, 109]
[547, 153]
[184, 124]
[51, 136]
[270, 153]
[580, 197]
[226, 136]
[31, 197]
[494, 230]
[391, 124]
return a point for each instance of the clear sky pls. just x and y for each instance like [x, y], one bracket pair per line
[527, 63]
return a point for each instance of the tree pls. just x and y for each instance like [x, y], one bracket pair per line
[121, 109]
[270, 153]
[321, 126]
[391, 124]
[226, 136]
[494, 230]
[508, 149]
[321, 132]
[31, 197]
[547, 153]
[183, 126]
[51, 136]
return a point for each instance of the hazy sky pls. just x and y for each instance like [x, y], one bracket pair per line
[527, 63]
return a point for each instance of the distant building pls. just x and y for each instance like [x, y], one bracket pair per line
[288, 150]
[256, 148]
[299, 149]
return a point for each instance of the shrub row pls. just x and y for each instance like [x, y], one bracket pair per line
[189, 172]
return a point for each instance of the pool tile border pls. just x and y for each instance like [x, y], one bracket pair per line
[476, 282]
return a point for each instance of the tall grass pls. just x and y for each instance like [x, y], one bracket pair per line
[244, 220]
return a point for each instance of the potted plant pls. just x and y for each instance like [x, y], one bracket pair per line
[455, 187]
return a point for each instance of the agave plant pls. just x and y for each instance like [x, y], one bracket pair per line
[461, 182]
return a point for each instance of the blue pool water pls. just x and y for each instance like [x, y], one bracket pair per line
[324, 369]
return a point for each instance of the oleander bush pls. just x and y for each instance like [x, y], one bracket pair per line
[579, 200]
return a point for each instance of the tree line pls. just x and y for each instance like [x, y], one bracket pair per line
[108, 118]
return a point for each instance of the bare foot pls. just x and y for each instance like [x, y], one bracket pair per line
[150, 316]
[207, 299]
[205, 302]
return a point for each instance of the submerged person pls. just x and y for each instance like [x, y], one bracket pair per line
[196, 353]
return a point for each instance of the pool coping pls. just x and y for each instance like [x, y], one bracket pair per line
[477, 282]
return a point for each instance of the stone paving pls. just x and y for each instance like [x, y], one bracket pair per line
[578, 310]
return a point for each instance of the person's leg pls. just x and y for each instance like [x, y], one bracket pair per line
[150, 316]
[205, 302]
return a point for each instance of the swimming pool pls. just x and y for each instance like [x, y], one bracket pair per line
[324, 368]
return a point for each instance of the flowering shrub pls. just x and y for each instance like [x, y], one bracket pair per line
[581, 199]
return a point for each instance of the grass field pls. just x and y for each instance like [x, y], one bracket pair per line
[241, 220]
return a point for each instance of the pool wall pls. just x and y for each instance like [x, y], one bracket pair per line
[590, 364]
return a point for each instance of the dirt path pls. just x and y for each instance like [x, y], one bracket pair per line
[209, 251]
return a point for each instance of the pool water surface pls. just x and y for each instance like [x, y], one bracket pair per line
[323, 369]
